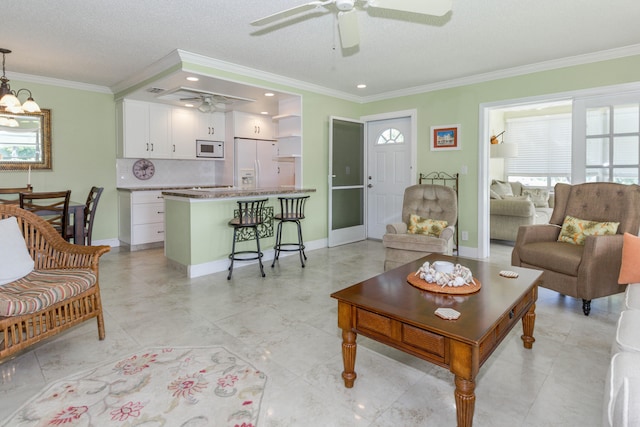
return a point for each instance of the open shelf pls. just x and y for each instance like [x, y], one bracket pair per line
[284, 116]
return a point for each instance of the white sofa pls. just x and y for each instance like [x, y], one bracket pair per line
[622, 388]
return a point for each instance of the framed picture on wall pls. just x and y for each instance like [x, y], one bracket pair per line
[445, 137]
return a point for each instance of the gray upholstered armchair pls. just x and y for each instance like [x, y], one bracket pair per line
[585, 271]
[428, 201]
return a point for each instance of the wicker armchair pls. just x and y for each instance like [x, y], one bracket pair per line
[51, 254]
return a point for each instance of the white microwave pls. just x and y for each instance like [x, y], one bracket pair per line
[209, 149]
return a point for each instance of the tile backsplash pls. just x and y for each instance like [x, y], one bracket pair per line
[168, 172]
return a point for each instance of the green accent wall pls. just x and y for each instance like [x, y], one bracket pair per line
[84, 134]
[83, 138]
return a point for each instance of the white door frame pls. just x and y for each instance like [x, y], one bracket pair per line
[483, 146]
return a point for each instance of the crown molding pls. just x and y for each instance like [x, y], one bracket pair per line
[30, 78]
[570, 61]
[184, 59]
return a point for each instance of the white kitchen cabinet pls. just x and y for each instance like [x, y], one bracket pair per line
[141, 217]
[145, 130]
[183, 133]
[246, 125]
[210, 126]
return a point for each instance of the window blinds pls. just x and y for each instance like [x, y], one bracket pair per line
[544, 145]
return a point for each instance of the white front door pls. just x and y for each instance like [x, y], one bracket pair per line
[388, 172]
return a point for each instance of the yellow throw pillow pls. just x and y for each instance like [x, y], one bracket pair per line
[430, 227]
[575, 230]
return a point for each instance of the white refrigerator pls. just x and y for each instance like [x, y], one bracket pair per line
[256, 164]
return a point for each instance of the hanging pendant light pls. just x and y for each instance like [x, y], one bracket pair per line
[9, 99]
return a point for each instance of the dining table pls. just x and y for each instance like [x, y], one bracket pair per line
[76, 217]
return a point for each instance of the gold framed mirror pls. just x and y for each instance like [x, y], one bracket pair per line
[25, 140]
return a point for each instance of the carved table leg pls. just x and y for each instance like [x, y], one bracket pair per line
[349, 357]
[528, 322]
[465, 401]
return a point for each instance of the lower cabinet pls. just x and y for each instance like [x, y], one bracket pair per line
[141, 217]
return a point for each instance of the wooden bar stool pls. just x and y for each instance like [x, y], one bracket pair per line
[291, 210]
[250, 216]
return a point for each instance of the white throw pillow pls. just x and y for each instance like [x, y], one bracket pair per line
[15, 261]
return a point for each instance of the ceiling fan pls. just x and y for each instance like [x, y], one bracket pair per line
[210, 103]
[347, 18]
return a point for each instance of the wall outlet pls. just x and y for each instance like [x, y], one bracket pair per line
[465, 235]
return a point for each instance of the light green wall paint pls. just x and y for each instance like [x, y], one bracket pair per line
[84, 134]
[198, 232]
[83, 150]
[462, 105]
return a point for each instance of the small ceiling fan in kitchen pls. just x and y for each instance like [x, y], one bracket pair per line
[347, 18]
[210, 103]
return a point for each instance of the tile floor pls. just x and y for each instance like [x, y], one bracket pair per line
[285, 325]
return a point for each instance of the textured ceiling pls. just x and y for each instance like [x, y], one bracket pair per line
[106, 42]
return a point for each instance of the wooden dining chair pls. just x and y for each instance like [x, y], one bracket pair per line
[90, 208]
[53, 206]
[11, 196]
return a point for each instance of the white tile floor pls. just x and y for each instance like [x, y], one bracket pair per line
[285, 325]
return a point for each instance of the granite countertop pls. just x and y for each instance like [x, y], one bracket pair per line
[173, 187]
[229, 192]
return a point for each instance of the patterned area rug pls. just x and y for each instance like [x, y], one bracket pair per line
[194, 387]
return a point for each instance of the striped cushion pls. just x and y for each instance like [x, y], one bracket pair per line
[41, 289]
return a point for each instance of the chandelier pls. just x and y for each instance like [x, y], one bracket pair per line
[9, 101]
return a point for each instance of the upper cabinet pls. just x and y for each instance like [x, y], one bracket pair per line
[144, 129]
[183, 131]
[210, 126]
[253, 126]
[159, 131]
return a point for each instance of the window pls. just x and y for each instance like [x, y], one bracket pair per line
[544, 150]
[390, 136]
[613, 143]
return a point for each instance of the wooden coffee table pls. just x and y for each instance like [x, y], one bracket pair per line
[388, 309]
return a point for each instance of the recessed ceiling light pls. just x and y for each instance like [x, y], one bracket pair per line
[361, 86]
[192, 79]
[264, 112]
[188, 105]
[269, 94]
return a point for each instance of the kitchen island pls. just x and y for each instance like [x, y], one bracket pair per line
[197, 237]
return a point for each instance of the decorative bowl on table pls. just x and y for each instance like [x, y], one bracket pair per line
[444, 277]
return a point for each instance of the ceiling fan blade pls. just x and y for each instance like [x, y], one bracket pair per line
[288, 12]
[424, 7]
[348, 25]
